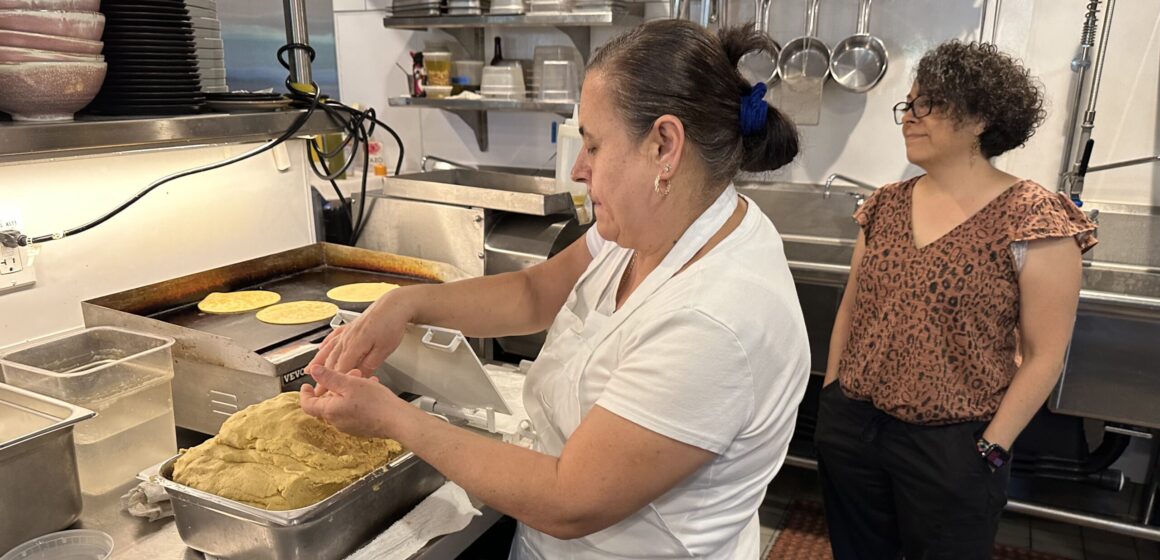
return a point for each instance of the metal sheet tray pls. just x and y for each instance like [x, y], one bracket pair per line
[330, 529]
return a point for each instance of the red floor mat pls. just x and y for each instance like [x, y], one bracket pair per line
[803, 537]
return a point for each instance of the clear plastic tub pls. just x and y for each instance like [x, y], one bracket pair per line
[78, 544]
[438, 92]
[470, 69]
[126, 378]
[503, 82]
[558, 72]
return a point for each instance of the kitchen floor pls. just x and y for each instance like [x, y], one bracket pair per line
[1068, 541]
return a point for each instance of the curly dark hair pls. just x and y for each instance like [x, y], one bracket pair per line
[976, 80]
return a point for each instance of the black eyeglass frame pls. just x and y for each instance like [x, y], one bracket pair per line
[913, 106]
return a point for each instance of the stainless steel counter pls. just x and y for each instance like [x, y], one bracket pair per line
[138, 538]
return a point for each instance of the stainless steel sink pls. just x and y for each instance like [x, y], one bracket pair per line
[802, 210]
[1121, 280]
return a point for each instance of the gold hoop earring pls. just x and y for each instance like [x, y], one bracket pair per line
[664, 192]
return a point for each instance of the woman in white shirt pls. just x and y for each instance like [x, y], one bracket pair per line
[665, 396]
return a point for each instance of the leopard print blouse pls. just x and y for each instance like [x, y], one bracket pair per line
[933, 335]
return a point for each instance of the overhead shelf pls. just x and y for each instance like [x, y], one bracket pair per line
[574, 19]
[474, 111]
[23, 141]
[522, 105]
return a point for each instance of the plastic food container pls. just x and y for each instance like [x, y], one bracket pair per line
[79, 544]
[438, 92]
[126, 378]
[38, 468]
[472, 70]
[438, 67]
[503, 82]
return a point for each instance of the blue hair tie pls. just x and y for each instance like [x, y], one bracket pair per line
[754, 110]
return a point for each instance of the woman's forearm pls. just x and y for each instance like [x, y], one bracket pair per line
[507, 304]
[1028, 391]
[479, 307]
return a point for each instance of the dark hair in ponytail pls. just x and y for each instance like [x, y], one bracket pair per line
[678, 68]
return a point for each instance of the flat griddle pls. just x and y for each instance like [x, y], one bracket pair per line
[309, 285]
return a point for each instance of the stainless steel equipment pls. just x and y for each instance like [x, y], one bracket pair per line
[223, 363]
[482, 222]
[328, 530]
[38, 467]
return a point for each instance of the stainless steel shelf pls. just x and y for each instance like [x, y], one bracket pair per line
[575, 19]
[524, 105]
[24, 141]
[474, 111]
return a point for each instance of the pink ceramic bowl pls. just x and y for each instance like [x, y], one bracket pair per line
[67, 5]
[77, 25]
[18, 54]
[49, 42]
[48, 91]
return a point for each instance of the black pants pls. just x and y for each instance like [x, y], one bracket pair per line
[894, 489]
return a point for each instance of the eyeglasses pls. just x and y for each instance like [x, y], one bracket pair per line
[920, 107]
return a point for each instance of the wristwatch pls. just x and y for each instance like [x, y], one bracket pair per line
[994, 454]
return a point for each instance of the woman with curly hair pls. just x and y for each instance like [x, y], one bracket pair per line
[954, 324]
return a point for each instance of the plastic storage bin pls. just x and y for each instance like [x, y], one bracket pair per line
[77, 544]
[126, 378]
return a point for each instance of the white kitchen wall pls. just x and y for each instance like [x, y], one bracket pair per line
[208, 220]
[857, 135]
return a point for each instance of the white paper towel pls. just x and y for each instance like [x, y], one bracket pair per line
[446, 511]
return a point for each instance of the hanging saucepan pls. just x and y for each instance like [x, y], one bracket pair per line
[859, 61]
[805, 59]
[760, 65]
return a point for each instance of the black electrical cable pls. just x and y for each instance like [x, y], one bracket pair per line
[294, 128]
[353, 123]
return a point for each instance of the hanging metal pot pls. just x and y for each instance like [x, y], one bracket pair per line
[859, 61]
[760, 65]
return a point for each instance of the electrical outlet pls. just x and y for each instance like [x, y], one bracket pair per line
[16, 269]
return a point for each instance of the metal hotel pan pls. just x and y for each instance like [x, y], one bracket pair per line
[805, 58]
[760, 65]
[328, 530]
[860, 60]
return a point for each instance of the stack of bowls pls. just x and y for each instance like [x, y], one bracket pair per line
[50, 57]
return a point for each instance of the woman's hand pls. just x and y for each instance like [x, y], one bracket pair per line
[356, 404]
[366, 343]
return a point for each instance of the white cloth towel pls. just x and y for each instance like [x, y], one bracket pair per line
[446, 511]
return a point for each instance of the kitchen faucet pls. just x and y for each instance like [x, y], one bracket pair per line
[860, 184]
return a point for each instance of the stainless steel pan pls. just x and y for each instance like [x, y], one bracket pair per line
[760, 65]
[805, 58]
[859, 61]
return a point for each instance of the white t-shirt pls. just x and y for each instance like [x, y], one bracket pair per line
[718, 358]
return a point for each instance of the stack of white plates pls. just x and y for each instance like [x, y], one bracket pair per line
[211, 55]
